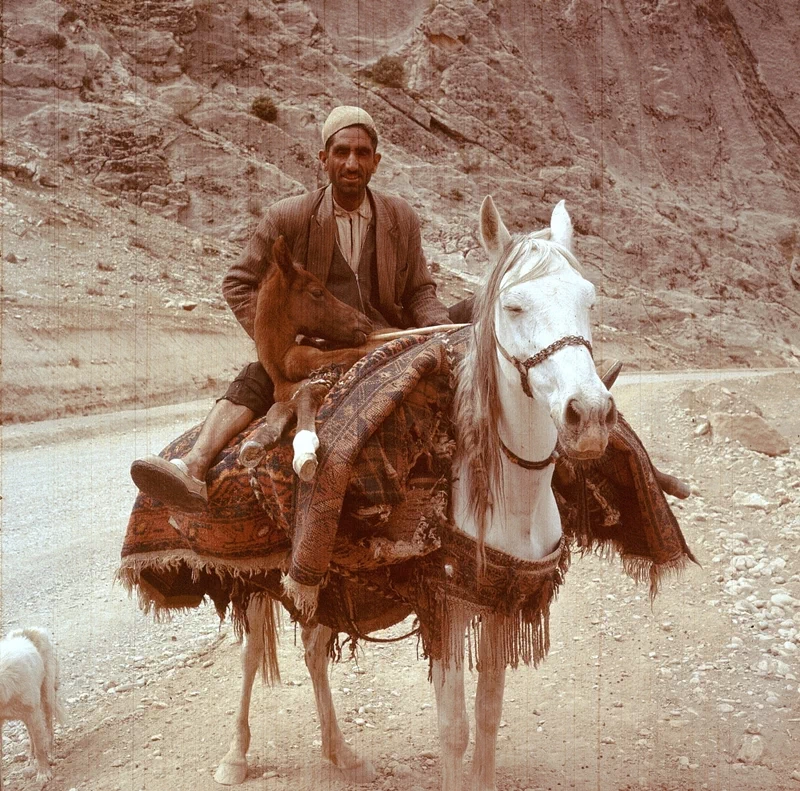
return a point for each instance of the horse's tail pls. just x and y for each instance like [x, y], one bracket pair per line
[270, 669]
[260, 623]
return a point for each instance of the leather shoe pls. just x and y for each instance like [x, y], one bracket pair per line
[170, 483]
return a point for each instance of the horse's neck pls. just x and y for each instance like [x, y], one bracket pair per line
[524, 521]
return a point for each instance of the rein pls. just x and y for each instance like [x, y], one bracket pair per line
[541, 356]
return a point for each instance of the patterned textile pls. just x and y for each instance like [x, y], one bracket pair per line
[614, 505]
[403, 389]
[393, 505]
[372, 529]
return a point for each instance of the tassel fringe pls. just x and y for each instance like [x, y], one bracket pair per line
[304, 597]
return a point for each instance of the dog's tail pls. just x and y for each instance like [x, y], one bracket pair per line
[44, 645]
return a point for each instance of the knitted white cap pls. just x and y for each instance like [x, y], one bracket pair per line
[344, 116]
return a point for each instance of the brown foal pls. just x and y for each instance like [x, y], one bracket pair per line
[292, 302]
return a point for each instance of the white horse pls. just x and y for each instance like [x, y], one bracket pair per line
[526, 385]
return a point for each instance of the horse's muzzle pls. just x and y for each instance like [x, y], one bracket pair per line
[585, 428]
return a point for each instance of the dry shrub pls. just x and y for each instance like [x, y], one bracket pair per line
[389, 71]
[264, 108]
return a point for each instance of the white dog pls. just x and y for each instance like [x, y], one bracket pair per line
[28, 686]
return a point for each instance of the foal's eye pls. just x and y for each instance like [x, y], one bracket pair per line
[317, 293]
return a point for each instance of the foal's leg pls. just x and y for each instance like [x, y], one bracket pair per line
[488, 709]
[267, 436]
[233, 769]
[452, 713]
[308, 400]
[334, 748]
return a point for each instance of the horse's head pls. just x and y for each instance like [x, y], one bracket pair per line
[303, 301]
[540, 304]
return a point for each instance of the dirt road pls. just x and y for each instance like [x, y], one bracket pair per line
[697, 691]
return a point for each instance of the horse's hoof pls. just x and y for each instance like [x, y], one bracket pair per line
[360, 774]
[231, 773]
[306, 467]
[251, 454]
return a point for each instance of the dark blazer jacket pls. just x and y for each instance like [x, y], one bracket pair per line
[406, 291]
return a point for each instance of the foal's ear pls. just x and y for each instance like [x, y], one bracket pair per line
[561, 226]
[494, 235]
[282, 256]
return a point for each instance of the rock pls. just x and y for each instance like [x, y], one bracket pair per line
[751, 500]
[445, 25]
[701, 429]
[794, 271]
[753, 431]
[783, 600]
[751, 751]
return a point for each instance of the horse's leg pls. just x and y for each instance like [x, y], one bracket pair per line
[452, 713]
[308, 399]
[233, 769]
[488, 709]
[334, 748]
[267, 436]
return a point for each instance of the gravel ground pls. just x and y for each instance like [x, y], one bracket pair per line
[698, 690]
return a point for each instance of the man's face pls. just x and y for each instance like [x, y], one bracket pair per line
[350, 161]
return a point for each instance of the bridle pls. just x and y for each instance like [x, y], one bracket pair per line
[540, 357]
[523, 367]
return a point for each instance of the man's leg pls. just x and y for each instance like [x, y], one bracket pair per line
[180, 483]
[225, 420]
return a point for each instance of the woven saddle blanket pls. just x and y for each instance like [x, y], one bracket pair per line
[380, 496]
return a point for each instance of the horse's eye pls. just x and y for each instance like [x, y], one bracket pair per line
[513, 309]
[317, 293]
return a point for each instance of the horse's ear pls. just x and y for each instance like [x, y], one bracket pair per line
[282, 256]
[494, 235]
[561, 226]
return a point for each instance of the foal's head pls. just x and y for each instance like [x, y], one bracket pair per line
[298, 301]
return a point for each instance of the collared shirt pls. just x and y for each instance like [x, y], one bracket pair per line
[352, 229]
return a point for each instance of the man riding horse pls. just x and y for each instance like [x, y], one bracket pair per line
[363, 244]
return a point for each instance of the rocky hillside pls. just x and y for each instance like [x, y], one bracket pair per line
[671, 127]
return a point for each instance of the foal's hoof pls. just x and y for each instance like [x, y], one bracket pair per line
[305, 466]
[251, 453]
[231, 773]
[360, 774]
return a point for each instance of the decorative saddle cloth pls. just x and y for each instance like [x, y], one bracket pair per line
[372, 529]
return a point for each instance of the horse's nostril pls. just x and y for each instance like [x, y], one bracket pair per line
[572, 415]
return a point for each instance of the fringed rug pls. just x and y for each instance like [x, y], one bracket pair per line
[371, 534]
